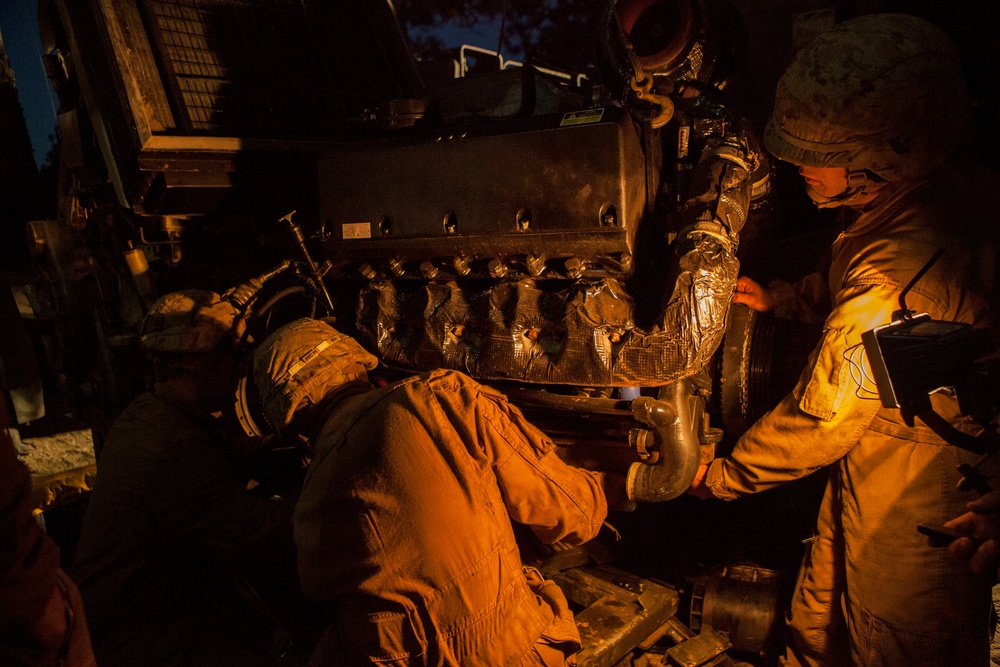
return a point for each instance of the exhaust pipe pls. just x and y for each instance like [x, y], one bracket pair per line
[671, 418]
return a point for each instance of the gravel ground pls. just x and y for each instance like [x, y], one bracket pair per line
[57, 453]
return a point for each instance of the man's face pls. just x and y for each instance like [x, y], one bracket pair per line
[826, 182]
[217, 378]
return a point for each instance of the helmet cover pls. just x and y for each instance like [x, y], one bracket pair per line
[190, 321]
[880, 92]
[302, 362]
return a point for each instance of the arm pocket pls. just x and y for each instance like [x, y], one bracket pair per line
[826, 378]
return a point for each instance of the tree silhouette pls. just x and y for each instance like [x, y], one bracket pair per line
[554, 32]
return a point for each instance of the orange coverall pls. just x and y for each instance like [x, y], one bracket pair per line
[404, 522]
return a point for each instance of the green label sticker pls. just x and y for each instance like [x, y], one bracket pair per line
[582, 117]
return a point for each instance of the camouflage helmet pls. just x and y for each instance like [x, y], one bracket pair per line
[302, 362]
[190, 321]
[881, 92]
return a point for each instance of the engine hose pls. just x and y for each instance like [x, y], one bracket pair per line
[679, 446]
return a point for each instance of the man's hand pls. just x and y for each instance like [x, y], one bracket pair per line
[982, 525]
[754, 295]
[698, 487]
[616, 494]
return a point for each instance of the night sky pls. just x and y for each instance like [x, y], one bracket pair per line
[18, 25]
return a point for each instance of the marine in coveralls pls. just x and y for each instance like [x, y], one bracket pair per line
[404, 521]
[171, 529]
[869, 112]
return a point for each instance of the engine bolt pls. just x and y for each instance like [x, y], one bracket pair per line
[497, 268]
[428, 270]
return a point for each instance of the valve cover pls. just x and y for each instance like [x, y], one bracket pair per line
[551, 196]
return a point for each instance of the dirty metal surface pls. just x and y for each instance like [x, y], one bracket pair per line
[698, 649]
[619, 610]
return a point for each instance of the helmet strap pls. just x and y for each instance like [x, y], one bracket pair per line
[859, 184]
